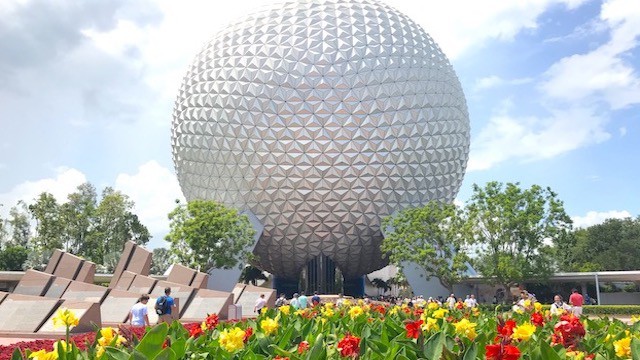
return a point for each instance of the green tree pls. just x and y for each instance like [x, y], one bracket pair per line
[49, 224]
[610, 246]
[161, 259]
[431, 237]
[205, 234]
[513, 231]
[78, 214]
[13, 257]
[251, 275]
[19, 221]
[115, 224]
[381, 285]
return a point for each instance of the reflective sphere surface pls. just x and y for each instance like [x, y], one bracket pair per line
[321, 117]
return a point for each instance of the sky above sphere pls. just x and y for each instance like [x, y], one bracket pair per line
[553, 89]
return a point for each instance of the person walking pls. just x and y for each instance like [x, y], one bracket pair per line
[281, 301]
[315, 299]
[164, 306]
[576, 300]
[261, 302]
[139, 314]
[295, 302]
[303, 301]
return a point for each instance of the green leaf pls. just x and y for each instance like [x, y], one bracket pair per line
[151, 343]
[284, 340]
[318, 351]
[434, 346]
[548, 352]
[471, 353]
[635, 349]
[16, 355]
[166, 354]
[114, 353]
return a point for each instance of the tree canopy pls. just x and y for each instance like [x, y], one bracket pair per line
[513, 231]
[431, 237]
[84, 225]
[205, 234]
[610, 246]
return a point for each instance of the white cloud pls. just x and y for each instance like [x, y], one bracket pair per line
[154, 190]
[64, 182]
[604, 73]
[495, 81]
[532, 138]
[596, 217]
[578, 92]
[458, 25]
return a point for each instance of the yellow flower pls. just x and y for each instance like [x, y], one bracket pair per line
[65, 317]
[635, 319]
[537, 306]
[327, 311]
[524, 331]
[285, 309]
[393, 310]
[346, 302]
[232, 339]
[329, 305]
[440, 313]
[264, 310]
[360, 302]
[269, 326]
[466, 328]
[44, 355]
[355, 311]
[99, 351]
[430, 324]
[108, 334]
[527, 303]
[623, 347]
[575, 355]
[433, 306]
[475, 311]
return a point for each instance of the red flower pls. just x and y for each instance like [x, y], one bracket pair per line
[211, 321]
[413, 329]
[459, 305]
[303, 346]
[505, 329]
[247, 334]
[195, 331]
[568, 331]
[349, 346]
[418, 311]
[380, 309]
[537, 319]
[278, 357]
[501, 352]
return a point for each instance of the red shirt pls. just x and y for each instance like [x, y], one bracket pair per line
[576, 299]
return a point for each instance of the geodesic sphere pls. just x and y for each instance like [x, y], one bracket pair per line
[321, 117]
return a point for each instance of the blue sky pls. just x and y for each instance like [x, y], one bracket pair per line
[553, 88]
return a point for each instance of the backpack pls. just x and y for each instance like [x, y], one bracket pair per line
[161, 305]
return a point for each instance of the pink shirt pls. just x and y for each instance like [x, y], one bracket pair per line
[576, 299]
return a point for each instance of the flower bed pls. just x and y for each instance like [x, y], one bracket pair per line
[362, 331]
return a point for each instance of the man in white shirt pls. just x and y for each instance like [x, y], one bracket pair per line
[139, 314]
[471, 301]
[451, 301]
[260, 303]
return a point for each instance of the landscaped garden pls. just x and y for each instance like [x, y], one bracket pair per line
[358, 330]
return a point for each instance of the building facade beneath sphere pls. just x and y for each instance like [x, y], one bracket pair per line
[321, 117]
